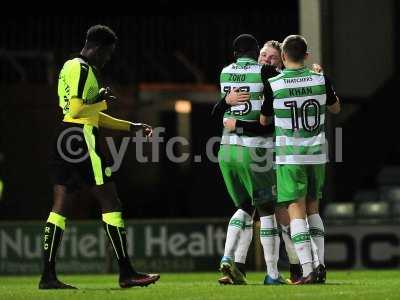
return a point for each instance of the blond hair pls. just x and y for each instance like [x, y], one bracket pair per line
[273, 44]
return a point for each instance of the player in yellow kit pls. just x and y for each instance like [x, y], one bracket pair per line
[76, 159]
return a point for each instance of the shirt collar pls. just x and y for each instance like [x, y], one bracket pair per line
[246, 60]
[84, 58]
[294, 70]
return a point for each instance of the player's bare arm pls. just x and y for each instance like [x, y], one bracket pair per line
[335, 108]
[264, 120]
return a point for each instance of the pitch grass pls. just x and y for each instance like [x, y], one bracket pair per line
[340, 285]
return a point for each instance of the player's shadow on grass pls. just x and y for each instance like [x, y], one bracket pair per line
[112, 289]
[106, 289]
[328, 283]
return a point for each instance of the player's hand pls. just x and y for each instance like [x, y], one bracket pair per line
[317, 68]
[230, 124]
[106, 94]
[236, 97]
[147, 129]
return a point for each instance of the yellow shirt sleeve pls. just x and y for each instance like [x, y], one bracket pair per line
[79, 110]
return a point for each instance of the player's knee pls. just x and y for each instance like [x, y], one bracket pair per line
[265, 209]
[61, 200]
[312, 207]
[312, 211]
[282, 215]
[247, 207]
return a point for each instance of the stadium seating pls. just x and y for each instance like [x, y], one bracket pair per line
[373, 212]
[391, 194]
[340, 212]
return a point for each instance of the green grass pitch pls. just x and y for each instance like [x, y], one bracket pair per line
[340, 285]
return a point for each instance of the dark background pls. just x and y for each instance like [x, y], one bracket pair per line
[150, 50]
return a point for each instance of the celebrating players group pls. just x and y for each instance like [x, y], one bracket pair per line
[273, 155]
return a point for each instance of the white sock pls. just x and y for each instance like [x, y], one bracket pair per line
[301, 240]
[277, 242]
[314, 248]
[267, 237]
[317, 233]
[235, 228]
[289, 246]
[243, 245]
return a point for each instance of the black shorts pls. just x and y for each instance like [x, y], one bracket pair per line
[75, 157]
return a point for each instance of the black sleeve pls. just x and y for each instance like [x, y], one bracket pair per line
[267, 72]
[267, 108]
[220, 108]
[330, 92]
[82, 79]
[255, 127]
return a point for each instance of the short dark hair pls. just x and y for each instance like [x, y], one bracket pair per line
[101, 35]
[295, 47]
[246, 44]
